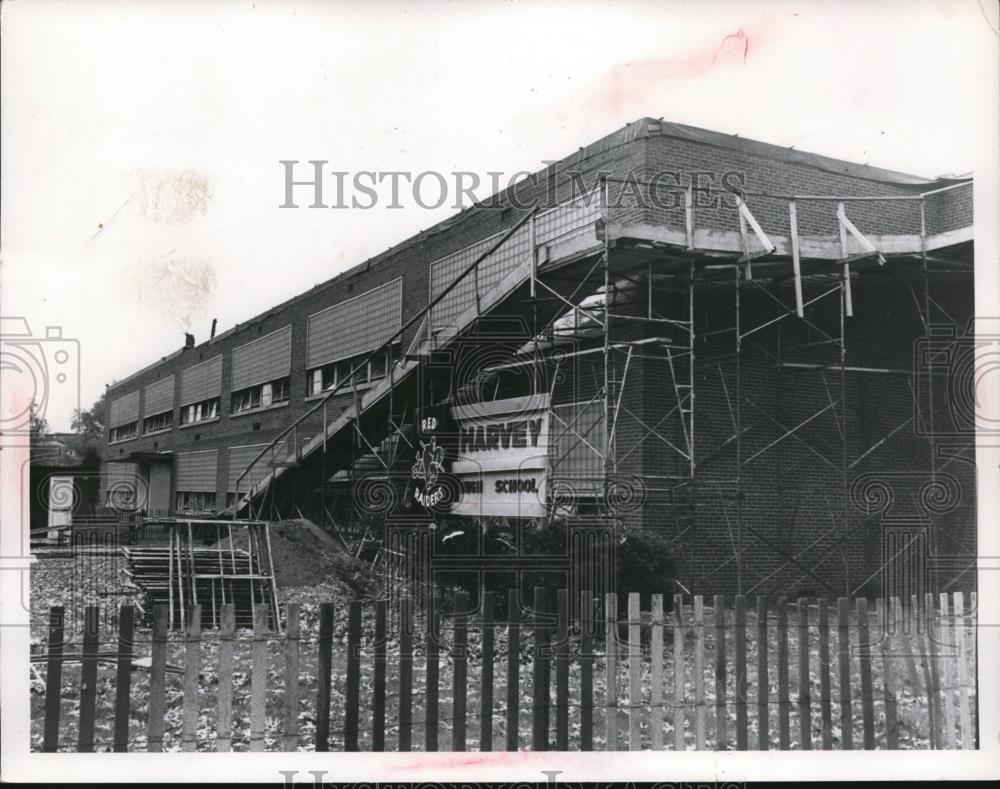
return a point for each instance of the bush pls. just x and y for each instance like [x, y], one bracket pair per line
[645, 563]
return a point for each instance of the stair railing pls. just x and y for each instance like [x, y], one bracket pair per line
[341, 384]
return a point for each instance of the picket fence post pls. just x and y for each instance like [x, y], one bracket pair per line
[158, 680]
[486, 677]
[123, 679]
[290, 703]
[656, 674]
[192, 664]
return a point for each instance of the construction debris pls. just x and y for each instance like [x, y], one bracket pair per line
[180, 574]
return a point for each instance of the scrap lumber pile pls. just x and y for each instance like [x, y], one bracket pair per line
[203, 575]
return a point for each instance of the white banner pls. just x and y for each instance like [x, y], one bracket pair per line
[503, 457]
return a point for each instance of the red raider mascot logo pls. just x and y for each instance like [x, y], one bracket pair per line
[427, 469]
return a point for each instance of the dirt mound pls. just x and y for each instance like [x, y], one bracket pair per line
[304, 555]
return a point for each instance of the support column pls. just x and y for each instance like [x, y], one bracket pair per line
[739, 442]
[844, 308]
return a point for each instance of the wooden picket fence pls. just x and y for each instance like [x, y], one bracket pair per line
[909, 670]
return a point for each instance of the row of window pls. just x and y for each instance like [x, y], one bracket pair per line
[200, 412]
[124, 432]
[190, 502]
[268, 394]
[158, 422]
[194, 502]
[151, 424]
[260, 396]
[327, 377]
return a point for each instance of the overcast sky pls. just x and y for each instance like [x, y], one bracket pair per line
[140, 143]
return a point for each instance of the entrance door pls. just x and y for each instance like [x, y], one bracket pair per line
[61, 495]
[159, 489]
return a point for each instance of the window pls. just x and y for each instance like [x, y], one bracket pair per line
[260, 396]
[376, 367]
[124, 432]
[330, 375]
[200, 412]
[158, 422]
[195, 502]
[344, 372]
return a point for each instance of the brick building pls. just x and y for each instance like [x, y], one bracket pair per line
[728, 341]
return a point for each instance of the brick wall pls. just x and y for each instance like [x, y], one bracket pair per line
[793, 492]
[949, 210]
[618, 153]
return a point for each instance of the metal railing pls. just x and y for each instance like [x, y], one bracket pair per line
[398, 334]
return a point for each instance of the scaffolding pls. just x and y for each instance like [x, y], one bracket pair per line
[672, 268]
[704, 269]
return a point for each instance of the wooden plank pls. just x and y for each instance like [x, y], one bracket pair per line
[970, 623]
[586, 671]
[965, 719]
[689, 216]
[825, 701]
[227, 638]
[793, 234]
[123, 677]
[539, 667]
[378, 678]
[844, 663]
[919, 628]
[699, 673]
[513, 667]
[744, 241]
[948, 668]
[845, 280]
[905, 623]
[290, 701]
[433, 677]
[258, 678]
[805, 694]
[763, 681]
[611, 671]
[53, 679]
[352, 684]
[888, 625]
[721, 735]
[634, 675]
[784, 703]
[865, 660]
[405, 673]
[678, 673]
[547, 674]
[158, 681]
[192, 668]
[88, 680]
[486, 678]
[656, 674]
[324, 663]
[562, 670]
[461, 657]
[933, 659]
[740, 633]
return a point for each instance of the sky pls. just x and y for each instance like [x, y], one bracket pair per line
[141, 143]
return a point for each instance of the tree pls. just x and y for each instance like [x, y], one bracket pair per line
[38, 430]
[89, 428]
